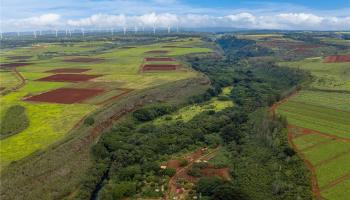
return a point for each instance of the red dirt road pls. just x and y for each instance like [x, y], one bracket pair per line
[65, 95]
[68, 78]
[68, 70]
[337, 59]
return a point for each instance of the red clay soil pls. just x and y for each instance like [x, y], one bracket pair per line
[153, 67]
[65, 95]
[68, 78]
[159, 59]
[211, 171]
[337, 59]
[68, 70]
[18, 57]
[157, 51]
[83, 59]
[15, 64]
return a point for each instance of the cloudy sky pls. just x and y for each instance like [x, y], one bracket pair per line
[24, 15]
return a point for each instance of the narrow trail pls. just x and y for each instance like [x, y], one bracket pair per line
[22, 82]
[172, 181]
[336, 182]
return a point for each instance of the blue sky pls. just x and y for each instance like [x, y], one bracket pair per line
[268, 14]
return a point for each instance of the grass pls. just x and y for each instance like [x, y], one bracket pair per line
[189, 112]
[49, 122]
[339, 167]
[8, 79]
[326, 109]
[323, 119]
[338, 192]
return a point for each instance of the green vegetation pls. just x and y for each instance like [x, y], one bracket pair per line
[14, 121]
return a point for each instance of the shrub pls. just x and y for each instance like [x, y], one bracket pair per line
[14, 121]
[89, 121]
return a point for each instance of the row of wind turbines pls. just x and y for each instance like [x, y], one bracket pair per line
[68, 32]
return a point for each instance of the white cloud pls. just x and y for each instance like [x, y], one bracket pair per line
[249, 20]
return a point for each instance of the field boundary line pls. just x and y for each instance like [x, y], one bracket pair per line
[317, 144]
[336, 182]
[322, 162]
[320, 133]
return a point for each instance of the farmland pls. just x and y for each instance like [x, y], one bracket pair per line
[319, 125]
[51, 70]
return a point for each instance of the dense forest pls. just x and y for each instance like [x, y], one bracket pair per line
[263, 166]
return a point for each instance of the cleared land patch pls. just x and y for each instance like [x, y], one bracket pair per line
[68, 70]
[69, 78]
[337, 59]
[65, 95]
[15, 64]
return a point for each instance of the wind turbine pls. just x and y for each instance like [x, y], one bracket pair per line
[17, 33]
[136, 29]
[34, 33]
[70, 33]
[112, 31]
[40, 32]
[169, 29]
[82, 31]
[177, 28]
[124, 29]
[66, 32]
[154, 29]
[1, 35]
[55, 34]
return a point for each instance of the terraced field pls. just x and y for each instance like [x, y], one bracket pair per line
[319, 126]
[115, 72]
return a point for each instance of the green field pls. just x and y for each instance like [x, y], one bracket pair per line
[189, 112]
[324, 106]
[51, 122]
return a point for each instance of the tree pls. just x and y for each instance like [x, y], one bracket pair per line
[227, 192]
[207, 185]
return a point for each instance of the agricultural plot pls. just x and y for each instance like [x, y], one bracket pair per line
[319, 126]
[65, 82]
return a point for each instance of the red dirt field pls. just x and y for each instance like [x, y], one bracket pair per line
[159, 59]
[157, 51]
[18, 57]
[83, 59]
[152, 67]
[65, 95]
[15, 64]
[68, 78]
[68, 70]
[337, 59]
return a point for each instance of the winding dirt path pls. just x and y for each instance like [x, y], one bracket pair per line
[21, 83]
[179, 173]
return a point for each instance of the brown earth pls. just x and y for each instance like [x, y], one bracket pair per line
[153, 67]
[127, 47]
[83, 59]
[68, 77]
[65, 95]
[68, 70]
[15, 64]
[337, 59]
[125, 92]
[160, 59]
